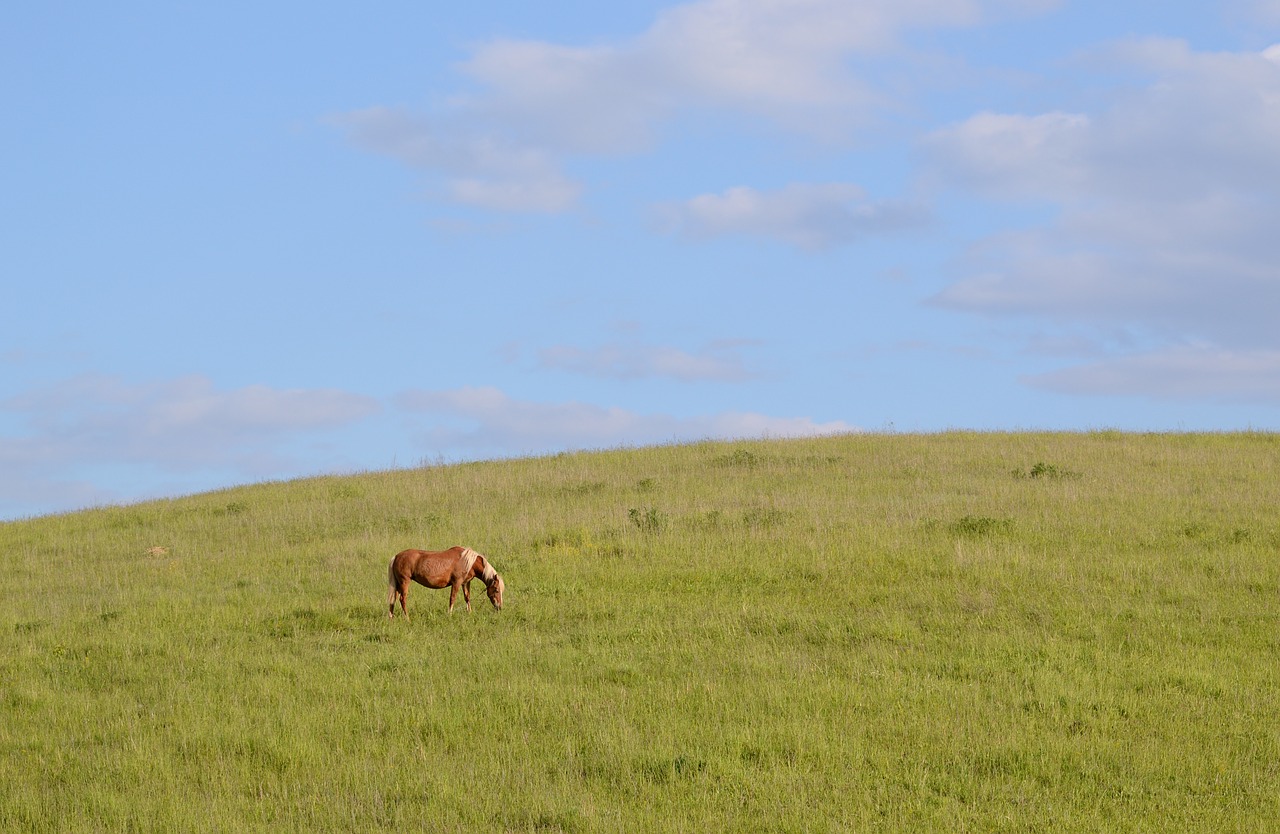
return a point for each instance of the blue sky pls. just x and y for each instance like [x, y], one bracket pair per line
[248, 241]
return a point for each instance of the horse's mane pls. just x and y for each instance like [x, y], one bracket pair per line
[470, 557]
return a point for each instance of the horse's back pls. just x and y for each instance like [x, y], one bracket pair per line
[431, 568]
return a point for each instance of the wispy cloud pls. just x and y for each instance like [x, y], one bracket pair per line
[180, 425]
[810, 216]
[1164, 141]
[1013, 156]
[1195, 373]
[491, 422]
[176, 420]
[534, 103]
[785, 63]
[1265, 11]
[481, 170]
[1165, 209]
[717, 362]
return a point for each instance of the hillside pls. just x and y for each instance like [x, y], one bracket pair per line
[952, 632]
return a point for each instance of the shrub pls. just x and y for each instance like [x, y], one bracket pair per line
[648, 520]
[980, 525]
[1046, 471]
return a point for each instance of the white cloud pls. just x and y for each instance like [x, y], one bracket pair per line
[173, 412]
[1202, 268]
[481, 170]
[785, 63]
[1181, 373]
[180, 425]
[810, 216]
[1015, 156]
[548, 194]
[718, 362]
[1166, 206]
[489, 421]
[1263, 11]
[1205, 122]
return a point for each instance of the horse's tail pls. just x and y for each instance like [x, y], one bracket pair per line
[391, 582]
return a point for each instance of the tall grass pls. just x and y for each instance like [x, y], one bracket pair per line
[955, 632]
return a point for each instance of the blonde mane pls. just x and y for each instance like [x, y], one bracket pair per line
[470, 557]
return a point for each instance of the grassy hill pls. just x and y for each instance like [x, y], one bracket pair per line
[953, 632]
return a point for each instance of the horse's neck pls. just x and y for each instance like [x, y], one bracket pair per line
[471, 561]
[484, 571]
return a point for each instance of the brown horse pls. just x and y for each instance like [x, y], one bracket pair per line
[454, 568]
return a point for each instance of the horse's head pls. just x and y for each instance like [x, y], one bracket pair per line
[494, 590]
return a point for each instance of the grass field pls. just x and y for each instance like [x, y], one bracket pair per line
[953, 632]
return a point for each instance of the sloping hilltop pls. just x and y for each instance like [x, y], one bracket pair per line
[952, 632]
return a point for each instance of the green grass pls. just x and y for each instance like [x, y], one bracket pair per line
[954, 632]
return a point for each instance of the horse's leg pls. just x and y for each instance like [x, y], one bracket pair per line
[391, 600]
[402, 593]
[453, 595]
[466, 594]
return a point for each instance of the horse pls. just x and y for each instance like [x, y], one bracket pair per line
[454, 568]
